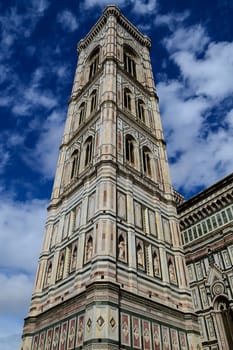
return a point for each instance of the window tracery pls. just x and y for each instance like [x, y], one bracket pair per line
[93, 97]
[146, 160]
[88, 150]
[94, 63]
[127, 99]
[129, 149]
[129, 61]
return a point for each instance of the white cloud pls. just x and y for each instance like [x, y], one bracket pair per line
[15, 24]
[199, 146]
[210, 75]
[4, 158]
[11, 302]
[67, 20]
[40, 6]
[21, 231]
[47, 147]
[101, 3]
[171, 20]
[144, 6]
[139, 7]
[191, 39]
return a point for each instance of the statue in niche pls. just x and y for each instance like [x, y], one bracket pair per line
[157, 340]
[121, 249]
[165, 342]
[140, 255]
[61, 267]
[156, 264]
[74, 259]
[171, 271]
[89, 249]
[49, 273]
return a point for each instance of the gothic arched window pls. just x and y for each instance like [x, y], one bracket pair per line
[129, 61]
[81, 116]
[94, 63]
[127, 99]
[74, 164]
[146, 159]
[141, 110]
[93, 101]
[88, 150]
[129, 149]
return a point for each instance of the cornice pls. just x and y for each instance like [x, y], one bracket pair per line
[112, 10]
[206, 203]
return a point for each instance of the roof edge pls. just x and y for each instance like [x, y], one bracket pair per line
[113, 10]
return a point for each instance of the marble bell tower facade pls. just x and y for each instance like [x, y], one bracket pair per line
[111, 273]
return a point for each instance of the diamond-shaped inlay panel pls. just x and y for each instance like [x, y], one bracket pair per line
[112, 322]
[100, 321]
[89, 323]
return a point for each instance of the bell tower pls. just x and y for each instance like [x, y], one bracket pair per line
[111, 273]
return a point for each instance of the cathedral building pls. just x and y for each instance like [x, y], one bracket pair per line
[206, 221]
[111, 273]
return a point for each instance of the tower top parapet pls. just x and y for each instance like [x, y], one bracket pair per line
[113, 10]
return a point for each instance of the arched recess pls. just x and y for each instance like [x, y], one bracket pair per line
[93, 62]
[130, 60]
[140, 256]
[224, 321]
[81, 113]
[127, 100]
[131, 152]
[60, 267]
[73, 261]
[122, 255]
[93, 101]
[88, 149]
[48, 274]
[141, 111]
[89, 249]
[171, 271]
[74, 164]
[147, 161]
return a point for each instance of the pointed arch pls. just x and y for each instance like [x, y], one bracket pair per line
[127, 99]
[156, 263]
[48, 274]
[224, 319]
[93, 98]
[171, 271]
[60, 268]
[121, 248]
[141, 110]
[88, 149]
[129, 57]
[94, 62]
[146, 161]
[73, 261]
[74, 164]
[89, 249]
[81, 113]
[140, 255]
[130, 149]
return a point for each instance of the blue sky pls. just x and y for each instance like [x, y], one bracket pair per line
[192, 58]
